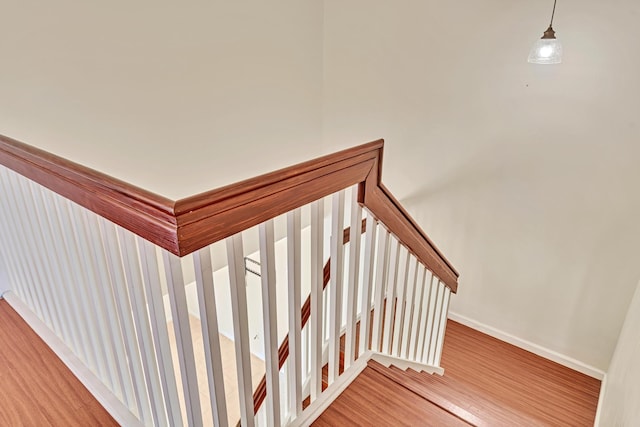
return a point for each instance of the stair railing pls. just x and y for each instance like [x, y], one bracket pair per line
[127, 286]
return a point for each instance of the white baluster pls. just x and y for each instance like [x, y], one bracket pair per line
[355, 233]
[87, 281]
[436, 325]
[380, 288]
[79, 281]
[31, 216]
[58, 283]
[125, 314]
[443, 326]
[428, 332]
[412, 277]
[116, 339]
[184, 340]
[153, 289]
[390, 296]
[367, 282]
[20, 245]
[209, 322]
[9, 254]
[141, 321]
[316, 319]
[100, 293]
[62, 258]
[398, 324]
[295, 325]
[335, 291]
[270, 321]
[235, 257]
[416, 326]
[424, 317]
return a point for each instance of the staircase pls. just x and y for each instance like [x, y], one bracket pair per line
[90, 261]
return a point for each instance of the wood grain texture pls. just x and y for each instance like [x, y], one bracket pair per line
[488, 382]
[197, 229]
[189, 224]
[519, 380]
[36, 388]
[147, 214]
[373, 399]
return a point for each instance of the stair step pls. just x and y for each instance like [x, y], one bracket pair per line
[454, 398]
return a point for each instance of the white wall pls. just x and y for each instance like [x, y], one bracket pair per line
[175, 97]
[4, 280]
[525, 176]
[620, 405]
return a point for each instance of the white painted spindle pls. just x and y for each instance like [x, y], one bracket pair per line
[101, 295]
[141, 321]
[20, 243]
[125, 315]
[426, 300]
[335, 290]
[442, 327]
[270, 321]
[436, 324]
[390, 296]
[38, 234]
[209, 323]
[295, 325]
[184, 340]
[412, 276]
[398, 313]
[235, 258]
[367, 282]
[80, 280]
[317, 263]
[380, 288]
[152, 286]
[355, 236]
[417, 312]
[61, 259]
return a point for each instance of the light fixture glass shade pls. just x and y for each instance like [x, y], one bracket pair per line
[546, 51]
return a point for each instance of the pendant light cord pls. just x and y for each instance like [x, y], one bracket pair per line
[553, 13]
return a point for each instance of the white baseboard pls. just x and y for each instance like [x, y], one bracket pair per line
[107, 399]
[554, 356]
[603, 388]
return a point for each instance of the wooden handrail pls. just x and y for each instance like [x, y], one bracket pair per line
[188, 224]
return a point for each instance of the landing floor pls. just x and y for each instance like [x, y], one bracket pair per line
[36, 388]
[486, 382]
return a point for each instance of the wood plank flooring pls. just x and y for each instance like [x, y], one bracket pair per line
[36, 388]
[374, 399]
[486, 382]
[534, 387]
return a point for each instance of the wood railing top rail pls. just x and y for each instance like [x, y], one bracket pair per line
[188, 224]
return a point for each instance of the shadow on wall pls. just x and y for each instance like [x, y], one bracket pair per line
[546, 245]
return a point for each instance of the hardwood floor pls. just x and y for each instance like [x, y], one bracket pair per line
[529, 385]
[374, 399]
[487, 382]
[36, 388]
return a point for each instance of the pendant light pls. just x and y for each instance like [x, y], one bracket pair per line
[548, 49]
